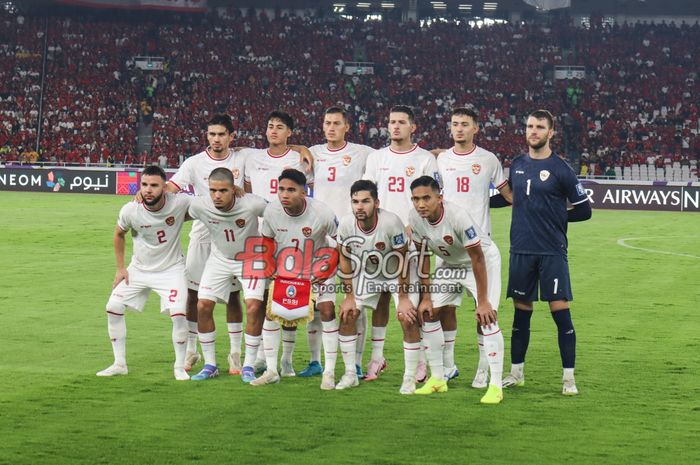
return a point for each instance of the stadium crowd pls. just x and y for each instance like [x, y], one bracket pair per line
[638, 102]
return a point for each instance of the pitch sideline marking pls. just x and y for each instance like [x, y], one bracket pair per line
[623, 243]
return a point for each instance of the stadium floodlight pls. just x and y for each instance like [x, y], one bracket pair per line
[338, 7]
[464, 7]
[363, 5]
[388, 5]
[490, 6]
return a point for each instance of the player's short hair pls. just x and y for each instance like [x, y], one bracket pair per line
[285, 117]
[223, 175]
[426, 181]
[404, 109]
[464, 111]
[154, 170]
[543, 114]
[337, 111]
[294, 176]
[221, 119]
[364, 185]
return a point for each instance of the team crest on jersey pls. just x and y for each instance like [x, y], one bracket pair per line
[544, 175]
[170, 220]
[291, 291]
[346, 160]
[410, 171]
[236, 173]
[380, 246]
[448, 239]
[306, 231]
[476, 168]
[240, 222]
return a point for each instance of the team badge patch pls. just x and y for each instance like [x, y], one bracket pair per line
[448, 240]
[476, 168]
[346, 160]
[398, 239]
[240, 222]
[291, 291]
[410, 171]
[380, 246]
[544, 175]
[471, 232]
[236, 173]
[170, 220]
[306, 231]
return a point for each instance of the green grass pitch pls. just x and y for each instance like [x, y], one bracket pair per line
[635, 312]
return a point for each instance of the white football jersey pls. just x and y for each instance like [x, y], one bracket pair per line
[228, 230]
[335, 170]
[262, 170]
[156, 234]
[393, 172]
[388, 234]
[467, 178]
[311, 228]
[451, 235]
[195, 172]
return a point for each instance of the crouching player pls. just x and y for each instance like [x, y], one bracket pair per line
[230, 222]
[450, 233]
[157, 264]
[373, 263]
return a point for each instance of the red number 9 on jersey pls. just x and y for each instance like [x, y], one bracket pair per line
[273, 186]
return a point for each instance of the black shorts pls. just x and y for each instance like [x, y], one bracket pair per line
[551, 272]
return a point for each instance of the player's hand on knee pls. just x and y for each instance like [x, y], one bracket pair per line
[121, 275]
[485, 314]
[348, 309]
[425, 309]
[405, 311]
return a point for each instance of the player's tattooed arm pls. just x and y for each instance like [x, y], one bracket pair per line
[119, 246]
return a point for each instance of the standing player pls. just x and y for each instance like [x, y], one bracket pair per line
[230, 222]
[468, 172]
[372, 241]
[449, 232]
[195, 172]
[262, 170]
[392, 169]
[542, 184]
[297, 223]
[157, 264]
[337, 164]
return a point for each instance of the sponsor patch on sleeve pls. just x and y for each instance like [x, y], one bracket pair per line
[580, 190]
[471, 233]
[398, 239]
[438, 178]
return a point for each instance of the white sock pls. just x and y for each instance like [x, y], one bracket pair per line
[434, 339]
[361, 337]
[494, 348]
[208, 343]
[568, 373]
[448, 352]
[260, 357]
[191, 336]
[348, 344]
[116, 328]
[411, 351]
[378, 336]
[252, 344]
[179, 339]
[483, 360]
[330, 344]
[288, 342]
[517, 369]
[423, 348]
[235, 335]
[271, 341]
[314, 332]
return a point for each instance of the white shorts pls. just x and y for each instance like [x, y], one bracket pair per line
[197, 256]
[448, 288]
[368, 292]
[325, 291]
[217, 281]
[170, 285]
